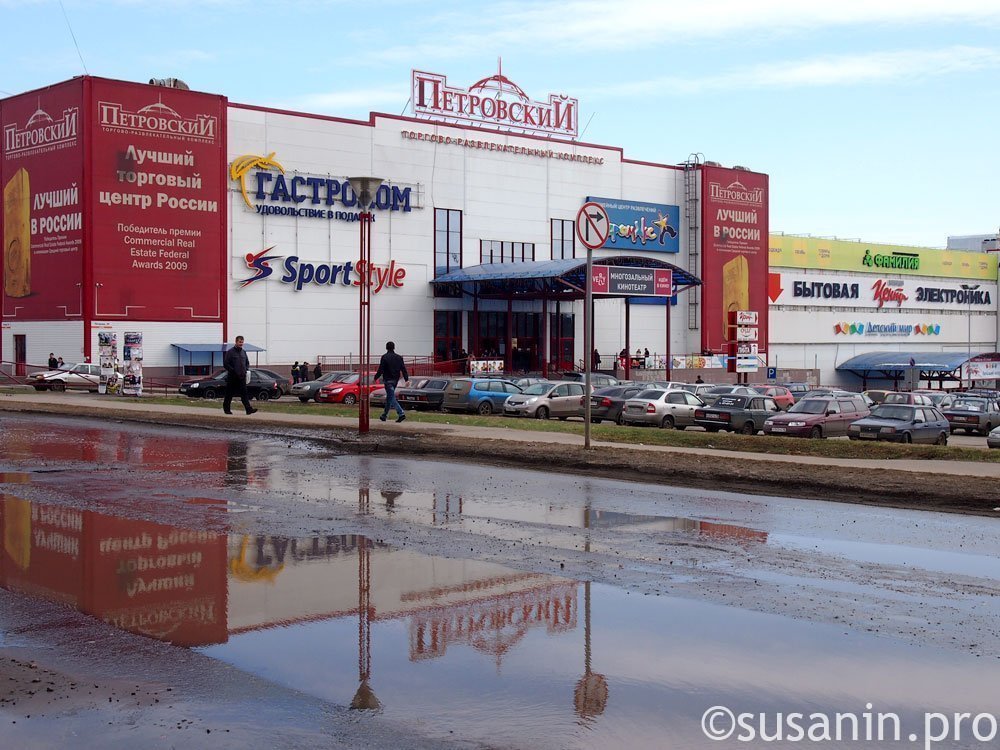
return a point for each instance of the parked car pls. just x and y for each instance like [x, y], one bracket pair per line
[818, 417]
[913, 399]
[283, 383]
[902, 423]
[973, 415]
[876, 396]
[259, 386]
[993, 439]
[544, 400]
[698, 389]
[526, 381]
[482, 395]
[714, 392]
[781, 395]
[346, 390]
[607, 403]
[665, 409]
[422, 394]
[741, 413]
[597, 379]
[798, 390]
[941, 399]
[79, 377]
[308, 390]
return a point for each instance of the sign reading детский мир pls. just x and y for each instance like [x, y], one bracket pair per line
[641, 226]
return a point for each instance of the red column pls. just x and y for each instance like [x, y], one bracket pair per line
[628, 341]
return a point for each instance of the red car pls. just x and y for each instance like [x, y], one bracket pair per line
[781, 395]
[346, 391]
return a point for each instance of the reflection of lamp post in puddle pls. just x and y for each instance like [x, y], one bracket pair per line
[364, 698]
[590, 697]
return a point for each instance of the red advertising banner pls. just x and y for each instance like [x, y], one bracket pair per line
[41, 174]
[734, 244]
[157, 171]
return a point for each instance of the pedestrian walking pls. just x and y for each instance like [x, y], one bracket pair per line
[596, 360]
[317, 371]
[237, 366]
[304, 372]
[390, 368]
[295, 372]
[53, 362]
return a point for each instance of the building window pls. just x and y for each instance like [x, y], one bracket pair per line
[495, 251]
[563, 239]
[447, 335]
[447, 240]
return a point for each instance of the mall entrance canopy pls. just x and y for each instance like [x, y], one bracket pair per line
[917, 366]
[557, 281]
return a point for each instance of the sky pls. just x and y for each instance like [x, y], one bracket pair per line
[875, 119]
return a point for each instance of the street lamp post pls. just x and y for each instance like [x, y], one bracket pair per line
[365, 189]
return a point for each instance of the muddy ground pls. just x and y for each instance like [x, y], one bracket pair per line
[885, 488]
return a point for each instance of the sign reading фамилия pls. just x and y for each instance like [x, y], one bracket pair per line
[641, 226]
[285, 195]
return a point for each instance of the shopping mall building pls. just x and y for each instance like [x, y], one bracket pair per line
[190, 219]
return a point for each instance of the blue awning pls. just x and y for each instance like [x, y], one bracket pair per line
[192, 348]
[549, 279]
[883, 362]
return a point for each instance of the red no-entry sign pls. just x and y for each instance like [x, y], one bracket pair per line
[593, 225]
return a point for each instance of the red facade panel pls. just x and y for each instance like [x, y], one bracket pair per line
[41, 173]
[156, 169]
[734, 251]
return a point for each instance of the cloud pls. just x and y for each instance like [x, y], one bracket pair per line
[572, 24]
[828, 70]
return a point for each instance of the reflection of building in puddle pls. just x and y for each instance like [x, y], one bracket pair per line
[147, 578]
[496, 624]
[318, 579]
[118, 448]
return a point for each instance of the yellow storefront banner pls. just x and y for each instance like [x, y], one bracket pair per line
[791, 251]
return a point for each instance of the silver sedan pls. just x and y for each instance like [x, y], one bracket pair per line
[665, 409]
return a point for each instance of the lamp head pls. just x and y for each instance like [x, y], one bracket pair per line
[365, 188]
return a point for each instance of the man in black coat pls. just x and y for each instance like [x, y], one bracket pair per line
[304, 372]
[237, 366]
[53, 362]
[390, 368]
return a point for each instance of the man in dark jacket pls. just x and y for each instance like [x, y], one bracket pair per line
[317, 371]
[304, 372]
[295, 372]
[390, 368]
[237, 366]
[53, 362]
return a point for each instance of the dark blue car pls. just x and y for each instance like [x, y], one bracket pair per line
[902, 423]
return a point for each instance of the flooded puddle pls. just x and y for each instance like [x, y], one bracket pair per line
[463, 647]
[169, 539]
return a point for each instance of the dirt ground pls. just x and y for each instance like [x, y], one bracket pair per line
[711, 470]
